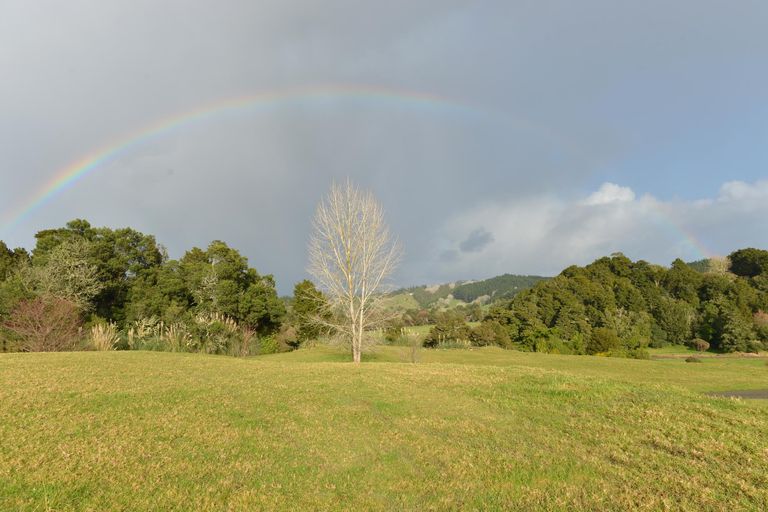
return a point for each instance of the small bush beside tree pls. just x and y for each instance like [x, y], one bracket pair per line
[699, 344]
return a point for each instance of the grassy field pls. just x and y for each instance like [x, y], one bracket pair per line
[464, 429]
[401, 302]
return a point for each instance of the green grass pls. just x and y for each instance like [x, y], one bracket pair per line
[401, 302]
[713, 374]
[479, 429]
[673, 350]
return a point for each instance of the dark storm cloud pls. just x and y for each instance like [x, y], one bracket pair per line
[476, 241]
[571, 94]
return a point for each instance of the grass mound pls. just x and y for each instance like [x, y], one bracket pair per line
[157, 431]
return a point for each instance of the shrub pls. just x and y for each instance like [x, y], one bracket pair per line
[145, 332]
[216, 333]
[692, 359]
[760, 319]
[699, 344]
[450, 330]
[603, 340]
[465, 343]
[244, 343]
[393, 332]
[45, 324]
[552, 345]
[289, 337]
[104, 336]
[175, 337]
[490, 332]
[269, 345]
[638, 353]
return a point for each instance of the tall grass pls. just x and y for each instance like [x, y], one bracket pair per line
[208, 333]
[104, 336]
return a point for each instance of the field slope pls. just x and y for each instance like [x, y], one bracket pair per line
[502, 430]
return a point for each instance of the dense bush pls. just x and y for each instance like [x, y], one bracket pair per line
[121, 283]
[619, 306]
[269, 345]
[699, 344]
[45, 324]
[449, 330]
[603, 340]
[490, 333]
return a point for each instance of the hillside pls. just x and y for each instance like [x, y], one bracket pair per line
[162, 431]
[620, 307]
[500, 287]
[464, 292]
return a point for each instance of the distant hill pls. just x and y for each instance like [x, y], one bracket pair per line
[504, 286]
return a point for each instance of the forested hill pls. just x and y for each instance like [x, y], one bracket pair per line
[616, 305]
[499, 287]
[504, 286]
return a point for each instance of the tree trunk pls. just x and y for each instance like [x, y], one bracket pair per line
[356, 354]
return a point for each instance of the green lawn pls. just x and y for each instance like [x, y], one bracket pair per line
[673, 350]
[465, 429]
[401, 302]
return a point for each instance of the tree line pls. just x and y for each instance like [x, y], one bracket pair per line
[99, 288]
[88, 287]
[619, 307]
[78, 276]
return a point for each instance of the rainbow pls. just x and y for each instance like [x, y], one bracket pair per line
[677, 231]
[71, 174]
[68, 176]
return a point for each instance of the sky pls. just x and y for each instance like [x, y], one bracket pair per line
[499, 136]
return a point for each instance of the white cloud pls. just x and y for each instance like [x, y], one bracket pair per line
[610, 193]
[738, 190]
[544, 234]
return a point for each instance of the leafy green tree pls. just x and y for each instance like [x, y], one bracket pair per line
[737, 333]
[674, 318]
[12, 290]
[749, 262]
[160, 292]
[760, 320]
[682, 282]
[311, 311]
[639, 303]
[490, 333]
[11, 260]
[449, 328]
[119, 256]
[260, 307]
[220, 281]
[504, 286]
[603, 340]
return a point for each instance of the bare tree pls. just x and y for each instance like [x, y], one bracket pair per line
[46, 324]
[351, 254]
